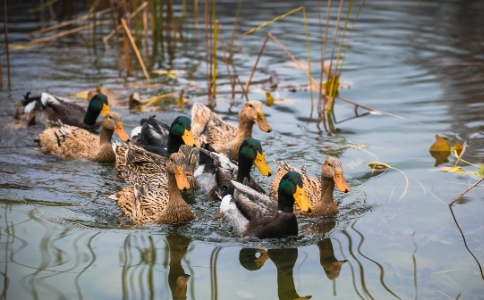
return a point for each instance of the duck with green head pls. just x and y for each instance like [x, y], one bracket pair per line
[216, 171]
[159, 138]
[254, 214]
[48, 108]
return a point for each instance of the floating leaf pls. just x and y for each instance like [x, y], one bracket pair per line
[269, 99]
[457, 148]
[357, 147]
[441, 144]
[453, 169]
[440, 150]
[378, 166]
[480, 171]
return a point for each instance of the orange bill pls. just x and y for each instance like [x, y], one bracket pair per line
[121, 133]
[188, 139]
[261, 164]
[181, 179]
[340, 182]
[105, 110]
[261, 121]
[302, 199]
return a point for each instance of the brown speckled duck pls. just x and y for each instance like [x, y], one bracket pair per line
[157, 199]
[222, 135]
[74, 142]
[322, 202]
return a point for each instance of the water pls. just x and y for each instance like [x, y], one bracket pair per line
[395, 236]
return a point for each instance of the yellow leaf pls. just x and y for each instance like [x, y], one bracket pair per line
[457, 148]
[269, 99]
[453, 169]
[357, 147]
[378, 166]
[481, 170]
[441, 144]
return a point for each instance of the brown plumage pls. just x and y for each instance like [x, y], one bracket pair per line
[323, 203]
[223, 135]
[73, 142]
[157, 199]
[134, 161]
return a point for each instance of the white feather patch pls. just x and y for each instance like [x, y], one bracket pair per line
[136, 131]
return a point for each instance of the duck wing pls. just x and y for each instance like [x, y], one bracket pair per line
[153, 136]
[256, 207]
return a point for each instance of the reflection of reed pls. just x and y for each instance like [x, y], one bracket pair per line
[213, 272]
[5, 272]
[360, 265]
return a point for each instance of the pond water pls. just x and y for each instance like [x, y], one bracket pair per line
[395, 236]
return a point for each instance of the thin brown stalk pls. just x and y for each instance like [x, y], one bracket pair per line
[133, 44]
[460, 155]
[467, 190]
[465, 242]
[5, 26]
[237, 14]
[118, 47]
[127, 56]
[145, 30]
[247, 83]
[119, 27]
[64, 33]
[323, 56]
[207, 49]
[227, 64]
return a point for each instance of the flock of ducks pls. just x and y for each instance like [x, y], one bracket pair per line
[160, 160]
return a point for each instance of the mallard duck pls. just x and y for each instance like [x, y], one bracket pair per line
[156, 198]
[323, 203]
[223, 135]
[74, 142]
[159, 138]
[133, 161]
[217, 173]
[48, 108]
[254, 214]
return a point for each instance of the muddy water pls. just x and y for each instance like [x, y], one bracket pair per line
[395, 236]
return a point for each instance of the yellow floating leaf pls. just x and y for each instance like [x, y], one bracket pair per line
[357, 147]
[378, 166]
[269, 99]
[453, 169]
[84, 95]
[20, 46]
[457, 148]
[480, 171]
[441, 144]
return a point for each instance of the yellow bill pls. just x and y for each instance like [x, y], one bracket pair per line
[261, 121]
[105, 110]
[261, 164]
[302, 199]
[188, 139]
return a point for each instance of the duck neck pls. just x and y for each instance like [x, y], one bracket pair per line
[244, 169]
[285, 202]
[173, 191]
[105, 135]
[245, 128]
[174, 143]
[327, 188]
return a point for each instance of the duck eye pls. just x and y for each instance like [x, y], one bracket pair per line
[250, 105]
[329, 164]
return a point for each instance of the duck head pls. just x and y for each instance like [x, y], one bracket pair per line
[180, 133]
[112, 121]
[98, 105]
[291, 190]
[332, 169]
[253, 111]
[176, 166]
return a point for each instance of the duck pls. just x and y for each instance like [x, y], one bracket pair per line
[133, 162]
[156, 198]
[256, 215]
[74, 142]
[162, 139]
[49, 108]
[322, 202]
[210, 128]
[218, 170]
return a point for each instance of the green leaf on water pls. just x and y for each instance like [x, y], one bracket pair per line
[481, 170]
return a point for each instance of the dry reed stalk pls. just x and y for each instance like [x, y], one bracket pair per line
[133, 44]
[237, 14]
[214, 59]
[118, 47]
[208, 63]
[64, 33]
[42, 6]
[145, 31]
[323, 55]
[119, 27]
[227, 64]
[465, 192]
[5, 26]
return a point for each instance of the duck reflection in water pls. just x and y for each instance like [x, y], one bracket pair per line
[284, 259]
[177, 278]
[331, 266]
